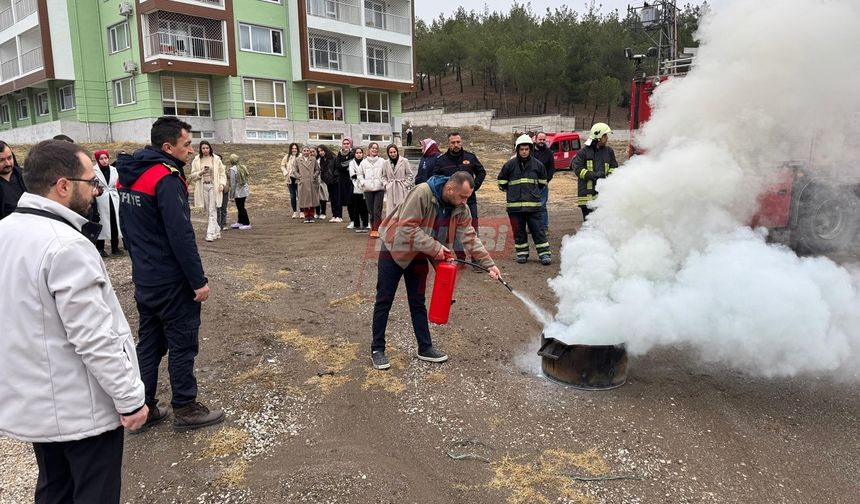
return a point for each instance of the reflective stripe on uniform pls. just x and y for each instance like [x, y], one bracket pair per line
[525, 181]
[582, 173]
[521, 204]
[522, 245]
[582, 200]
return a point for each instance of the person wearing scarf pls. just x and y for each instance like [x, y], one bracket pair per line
[239, 191]
[108, 204]
[429, 153]
[345, 185]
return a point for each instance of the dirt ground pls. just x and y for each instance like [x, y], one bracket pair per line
[285, 351]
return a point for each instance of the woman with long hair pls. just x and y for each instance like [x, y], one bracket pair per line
[288, 168]
[401, 178]
[308, 174]
[329, 174]
[372, 178]
[345, 185]
[212, 175]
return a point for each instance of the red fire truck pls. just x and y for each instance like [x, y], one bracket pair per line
[811, 214]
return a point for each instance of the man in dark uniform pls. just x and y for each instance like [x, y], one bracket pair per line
[169, 284]
[457, 159]
[11, 181]
[596, 160]
[544, 154]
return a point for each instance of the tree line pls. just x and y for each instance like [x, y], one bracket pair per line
[557, 60]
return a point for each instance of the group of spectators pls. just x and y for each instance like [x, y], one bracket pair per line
[215, 185]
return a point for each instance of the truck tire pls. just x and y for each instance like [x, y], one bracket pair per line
[828, 220]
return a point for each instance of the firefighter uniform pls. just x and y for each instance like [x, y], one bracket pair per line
[591, 163]
[523, 179]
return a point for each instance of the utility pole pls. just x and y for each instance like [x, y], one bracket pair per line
[659, 21]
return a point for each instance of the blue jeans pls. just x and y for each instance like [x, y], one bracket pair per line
[544, 197]
[388, 279]
[294, 189]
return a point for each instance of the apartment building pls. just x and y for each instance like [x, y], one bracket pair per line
[240, 71]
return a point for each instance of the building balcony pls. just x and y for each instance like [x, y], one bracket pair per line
[218, 4]
[169, 35]
[338, 10]
[24, 8]
[31, 60]
[388, 22]
[10, 69]
[13, 11]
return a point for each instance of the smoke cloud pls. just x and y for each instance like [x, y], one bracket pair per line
[668, 257]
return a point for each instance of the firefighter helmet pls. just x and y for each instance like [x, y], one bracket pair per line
[598, 130]
[525, 139]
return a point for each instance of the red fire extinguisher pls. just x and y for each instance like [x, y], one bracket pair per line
[443, 292]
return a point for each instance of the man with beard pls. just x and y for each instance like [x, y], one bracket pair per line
[70, 380]
[544, 154]
[169, 284]
[457, 159]
[11, 181]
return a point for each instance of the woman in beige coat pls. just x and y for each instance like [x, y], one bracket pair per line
[211, 176]
[288, 167]
[401, 178]
[307, 172]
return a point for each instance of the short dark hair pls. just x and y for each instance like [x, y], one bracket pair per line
[167, 129]
[457, 179]
[49, 161]
[453, 133]
[65, 138]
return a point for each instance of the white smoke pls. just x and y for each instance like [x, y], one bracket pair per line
[668, 258]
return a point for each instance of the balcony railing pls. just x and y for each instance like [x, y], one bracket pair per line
[31, 60]
[183, 46]
[340, 63]
[334, 9]
[7, 19]
[216, 3]
[9, 69]
[389, 22]
[24, 8]
[395, 70]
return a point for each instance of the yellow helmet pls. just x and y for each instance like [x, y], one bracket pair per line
[598, 130]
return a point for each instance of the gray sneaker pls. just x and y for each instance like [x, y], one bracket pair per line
[380, 361]
[433, 354]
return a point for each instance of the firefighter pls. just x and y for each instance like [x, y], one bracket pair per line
[593, 162]
[524, 178]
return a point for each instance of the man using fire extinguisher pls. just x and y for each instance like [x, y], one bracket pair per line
[593, 162]
[423, 229]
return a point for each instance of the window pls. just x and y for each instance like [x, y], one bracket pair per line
[203, 135]
[376, 57]
[265, 98]
[66, 97]
[5, 116]
[373, 106]
[374, 14]
[375, 138]
[123, 91]
[185, 96]
[260, 39]
[325, 53]
[325, 104]
[266, 135]
[42, 104]
[325, 137]
[118, 37]
[23, 109]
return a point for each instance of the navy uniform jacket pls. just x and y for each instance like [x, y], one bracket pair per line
[447, 163]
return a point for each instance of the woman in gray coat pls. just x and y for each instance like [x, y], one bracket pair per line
[307, 172]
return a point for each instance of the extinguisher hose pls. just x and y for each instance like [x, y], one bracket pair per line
[476, 265]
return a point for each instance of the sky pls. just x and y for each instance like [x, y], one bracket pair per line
[430, 9]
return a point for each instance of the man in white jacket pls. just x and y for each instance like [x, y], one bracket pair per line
[69, 380]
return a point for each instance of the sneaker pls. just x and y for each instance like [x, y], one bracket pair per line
[309, 221]
[103, 253]
[155, 416]
[546, 260]
[117, 252]
[522, 259]
[235, 225]
[321, 217]
[295, 215]
[335, 220]
[433, 354]
[210, 238]
[244, 227]
[351, 226]
[360, 230]
[194, 416]
[217, 236]
[380, 361]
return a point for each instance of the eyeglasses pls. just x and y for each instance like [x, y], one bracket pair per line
[93, 182]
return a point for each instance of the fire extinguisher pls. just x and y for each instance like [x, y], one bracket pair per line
[443, 292]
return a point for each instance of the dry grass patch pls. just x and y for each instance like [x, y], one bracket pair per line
[384, 380]
[265, 375]
[352, 301]
[332, 356]
[253, 296]
[436, 377]
[271, 286]
[251, 272]
[234, 475]
[547, 479]
[283, 272]
[227, 441]
[327, 383]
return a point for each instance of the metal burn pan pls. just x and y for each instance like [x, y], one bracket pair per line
[587, 367]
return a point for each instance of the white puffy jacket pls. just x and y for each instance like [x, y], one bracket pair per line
[371, 173]
[68, 366]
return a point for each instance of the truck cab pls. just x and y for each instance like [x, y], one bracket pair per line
[564, 146]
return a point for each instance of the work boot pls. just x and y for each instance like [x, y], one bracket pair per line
[155, 416]
[433, 354]
[522, 259]
[194, 416]
[546, 260]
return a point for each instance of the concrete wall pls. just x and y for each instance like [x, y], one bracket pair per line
[487, 120]
[78, 131]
